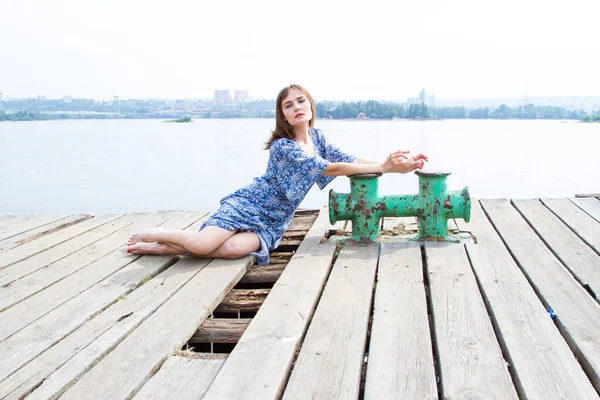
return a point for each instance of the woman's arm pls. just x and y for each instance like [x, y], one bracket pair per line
[354, 168]
[396, 162]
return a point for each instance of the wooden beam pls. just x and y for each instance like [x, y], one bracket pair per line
[242, 300]
[221, 330]
[263, 273]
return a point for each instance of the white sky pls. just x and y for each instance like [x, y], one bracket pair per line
[337, 49]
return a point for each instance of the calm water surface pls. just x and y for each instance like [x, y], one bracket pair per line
[97, 166]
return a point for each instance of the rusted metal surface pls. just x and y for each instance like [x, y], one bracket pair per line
[432, 206]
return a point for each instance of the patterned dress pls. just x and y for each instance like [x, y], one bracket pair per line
[267, 205]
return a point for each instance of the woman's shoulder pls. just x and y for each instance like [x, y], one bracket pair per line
[318, 134]
[281, 143]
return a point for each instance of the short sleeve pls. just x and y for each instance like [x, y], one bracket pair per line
[332, 154]
[294, 169]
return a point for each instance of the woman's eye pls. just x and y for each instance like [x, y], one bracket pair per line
[301, 100]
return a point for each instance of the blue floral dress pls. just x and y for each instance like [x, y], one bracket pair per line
[267, 205]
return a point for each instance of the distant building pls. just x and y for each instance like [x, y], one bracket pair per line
[361, 116]
[222, 97]
[241, 96]
[1, 105]
[431, 101]
[422, 96]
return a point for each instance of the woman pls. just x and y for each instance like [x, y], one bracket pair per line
[253, 219]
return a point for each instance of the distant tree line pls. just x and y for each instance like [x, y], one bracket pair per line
[379, 110]
[43, 109]
[36, 116]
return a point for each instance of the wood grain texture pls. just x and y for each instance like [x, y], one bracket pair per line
[577, 313]
[400, 363]
[330, 361]
[538, 355]
[259, 364]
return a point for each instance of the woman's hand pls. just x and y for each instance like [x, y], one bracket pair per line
[398, 162]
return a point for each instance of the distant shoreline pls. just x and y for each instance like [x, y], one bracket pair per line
[180, 120]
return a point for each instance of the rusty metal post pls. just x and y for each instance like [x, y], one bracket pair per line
[433, 206]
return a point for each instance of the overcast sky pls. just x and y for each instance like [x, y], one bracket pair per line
[337, 49]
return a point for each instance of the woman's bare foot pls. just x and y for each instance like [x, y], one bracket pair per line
[152, 248]
[141, 236]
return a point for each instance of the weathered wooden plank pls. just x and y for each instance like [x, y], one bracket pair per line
[125, 370]
[221, 330]
[577, 256]
[78, 261]
[302, 222]
[330, 360]
[79, 351]
[35, 337]
[586, 227]
[587, 195]
[27, 223]
[182, 379]
[33, 264]
[590, 205]
[263, 273]
[470, 358]
[577, 314]
[58, 244]
[400, 362]
[33, 234]
[37, 305]
[260, 362]
[243, 300]
[539, 358]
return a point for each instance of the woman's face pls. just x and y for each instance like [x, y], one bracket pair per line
[296, 108]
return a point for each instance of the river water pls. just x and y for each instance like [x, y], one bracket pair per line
[106, 166]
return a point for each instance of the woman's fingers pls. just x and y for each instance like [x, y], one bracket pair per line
[401, 153]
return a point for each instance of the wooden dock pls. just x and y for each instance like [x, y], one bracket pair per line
[512, 312]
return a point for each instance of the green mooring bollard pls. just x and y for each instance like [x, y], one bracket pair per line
[433, 206]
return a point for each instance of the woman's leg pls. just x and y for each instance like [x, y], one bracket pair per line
[238, 245]
[204, 242]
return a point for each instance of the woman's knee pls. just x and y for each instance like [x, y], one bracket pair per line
[239, 246]
[231, 249]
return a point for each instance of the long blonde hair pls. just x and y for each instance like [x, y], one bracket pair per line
[282, 128]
